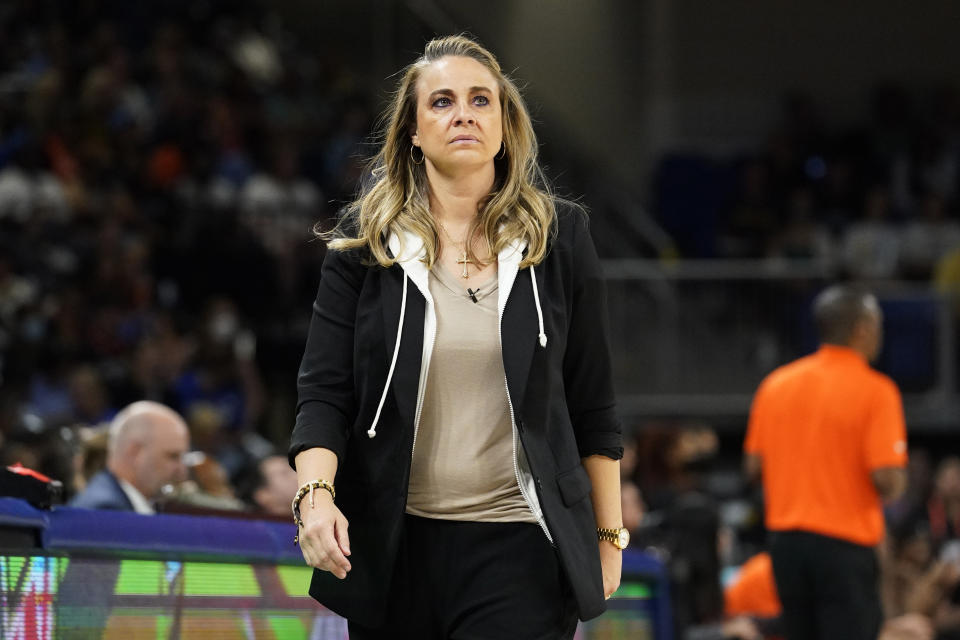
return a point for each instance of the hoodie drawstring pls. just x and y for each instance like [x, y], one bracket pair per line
[372, 431]
[536, 300]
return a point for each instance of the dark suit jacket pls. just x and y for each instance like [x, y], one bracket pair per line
[561, 396]
[102, 492]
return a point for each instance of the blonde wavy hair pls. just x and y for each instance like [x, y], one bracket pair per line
[520, 206]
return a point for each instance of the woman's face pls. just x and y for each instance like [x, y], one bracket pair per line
[459, 124]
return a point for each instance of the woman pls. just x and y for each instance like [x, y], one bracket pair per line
[456, 381]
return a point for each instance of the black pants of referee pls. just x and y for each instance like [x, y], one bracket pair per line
[475, 580]
[829, 587]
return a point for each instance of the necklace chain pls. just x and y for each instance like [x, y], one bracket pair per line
[463, 260]
[462, 243]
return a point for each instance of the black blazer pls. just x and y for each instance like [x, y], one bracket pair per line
[562, 396]
[102, 492]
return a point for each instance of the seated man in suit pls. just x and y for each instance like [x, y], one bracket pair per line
[145, 452]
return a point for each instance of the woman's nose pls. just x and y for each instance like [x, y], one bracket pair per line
[464, 115]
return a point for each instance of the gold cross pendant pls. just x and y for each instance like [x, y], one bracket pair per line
[464, 261]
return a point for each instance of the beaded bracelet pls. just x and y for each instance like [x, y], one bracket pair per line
[308, 487]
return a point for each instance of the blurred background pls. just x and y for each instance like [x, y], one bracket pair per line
[162, 163]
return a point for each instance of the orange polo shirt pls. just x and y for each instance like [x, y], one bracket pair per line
[820, 425]
[754, 592]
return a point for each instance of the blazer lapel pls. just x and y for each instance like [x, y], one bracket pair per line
[406, 378]
[518, 320]
[404, 381]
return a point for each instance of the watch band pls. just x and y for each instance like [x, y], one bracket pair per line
[619, 538]
[610, 535]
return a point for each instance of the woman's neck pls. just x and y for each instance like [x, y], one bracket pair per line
[455, 199]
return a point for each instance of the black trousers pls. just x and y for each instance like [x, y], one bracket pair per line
[829, 587]
[475, 580]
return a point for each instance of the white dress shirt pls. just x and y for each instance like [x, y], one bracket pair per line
[139, 502]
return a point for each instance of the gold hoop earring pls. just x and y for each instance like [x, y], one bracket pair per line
[414, 158]
[503, 151]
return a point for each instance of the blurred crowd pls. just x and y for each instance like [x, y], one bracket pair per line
[875, 200]
[162, 165]
[686, 500]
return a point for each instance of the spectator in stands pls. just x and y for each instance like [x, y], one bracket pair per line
[803, 237]
[221, 392]
[279, 205]
[941, 513]
[930, 529]
[750, 606]
[683, 517]
[925, 584]
[827, 435]
[838, 188]
[753, 217]
[911, 626]
[902, 513]
[936, 164]
[89, 455]
[145, 452]
[208, 487]
[928, 238]
[272, 486]
[631, 505]
[890, 137]
[89, 396]
[910, 558]
[946, 278]
[871, 246]
[935, 595]
[157, 362]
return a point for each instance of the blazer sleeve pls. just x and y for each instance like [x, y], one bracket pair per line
[587, 374]
[326, 404]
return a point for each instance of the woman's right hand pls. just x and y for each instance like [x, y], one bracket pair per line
[323, 538]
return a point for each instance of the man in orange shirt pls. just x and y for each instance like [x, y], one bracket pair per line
[827, 435]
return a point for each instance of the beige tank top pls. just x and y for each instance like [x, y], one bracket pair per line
[463, 466]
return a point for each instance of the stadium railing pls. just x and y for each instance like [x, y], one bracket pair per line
[694, 338]
[74, 573]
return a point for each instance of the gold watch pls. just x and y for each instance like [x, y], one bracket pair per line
[620, 538]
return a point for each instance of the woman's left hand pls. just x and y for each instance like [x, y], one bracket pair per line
[611, 563]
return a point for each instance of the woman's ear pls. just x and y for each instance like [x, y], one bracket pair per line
[415, 138]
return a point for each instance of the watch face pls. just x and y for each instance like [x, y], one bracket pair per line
[623, 539]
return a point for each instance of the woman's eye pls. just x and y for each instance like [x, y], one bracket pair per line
[441, 102]
[482, 100]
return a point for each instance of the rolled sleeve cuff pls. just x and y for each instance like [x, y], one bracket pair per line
[598, 433]
[318, 425]
[614, 453]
